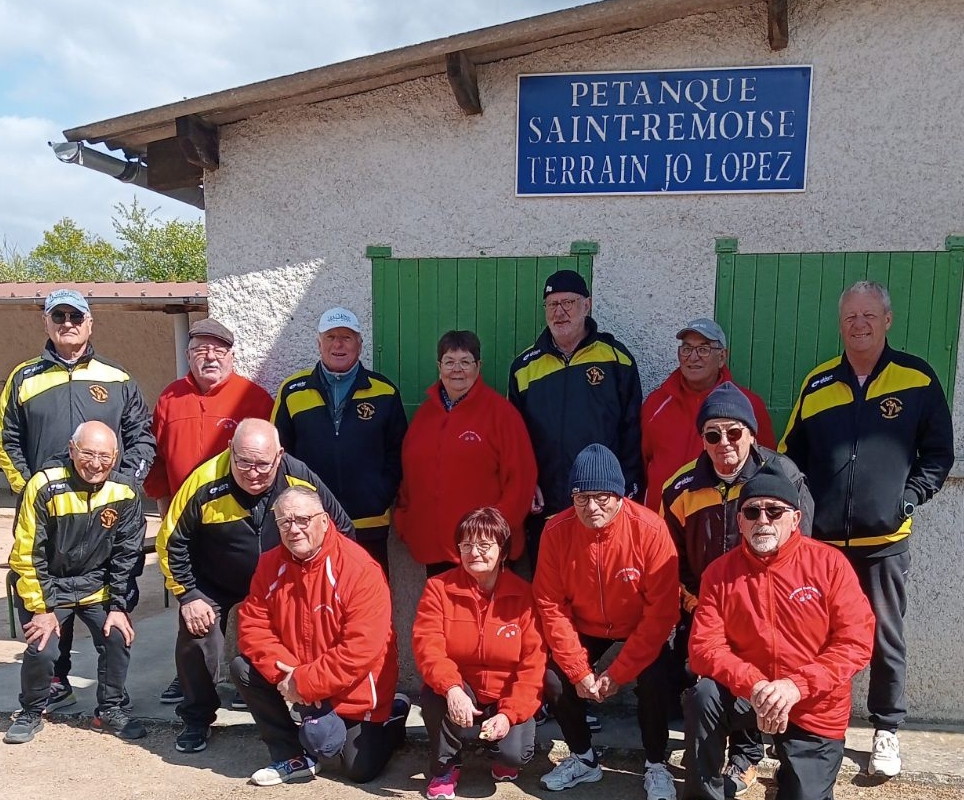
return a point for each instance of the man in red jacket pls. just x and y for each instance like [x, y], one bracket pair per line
[668, 417]
[194, 420]
[316, 631]
[780, 630]
[607, 573]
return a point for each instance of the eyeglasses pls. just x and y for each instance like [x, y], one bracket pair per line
[301, 522]
[60, 317]
[702, 350]
[261, 467]
[464, 363]
[733, 435]
[582, 499]
[94, 458]
[483, 547]
[565, 305]
[209, 349]
[773, 513]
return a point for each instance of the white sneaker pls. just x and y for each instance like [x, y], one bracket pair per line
[302, 766]
[570, 772]
[884, 755]
[658, 783]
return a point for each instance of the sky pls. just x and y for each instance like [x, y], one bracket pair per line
[66, 64]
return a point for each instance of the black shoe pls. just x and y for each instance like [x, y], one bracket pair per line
[115, 721]
[172, 694]
[193, 739]
[237, 702]
[27, 725]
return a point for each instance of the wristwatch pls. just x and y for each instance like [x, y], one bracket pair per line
[908, 509]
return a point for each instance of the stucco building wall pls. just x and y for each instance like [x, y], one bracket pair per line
[300, 194]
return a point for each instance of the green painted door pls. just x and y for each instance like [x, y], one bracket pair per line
[416, 300]
[780, 312]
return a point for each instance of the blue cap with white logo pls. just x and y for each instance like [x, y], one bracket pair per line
[66, 297]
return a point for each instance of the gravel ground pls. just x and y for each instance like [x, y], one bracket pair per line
[92, 766]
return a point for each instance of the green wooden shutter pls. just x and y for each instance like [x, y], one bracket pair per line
[780, 312]
[416, 300]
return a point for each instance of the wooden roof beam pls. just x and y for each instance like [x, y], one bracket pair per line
[198, 141]
[168, 169]
[778, 24]
[464, 82]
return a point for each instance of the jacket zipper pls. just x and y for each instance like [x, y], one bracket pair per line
[602, 597]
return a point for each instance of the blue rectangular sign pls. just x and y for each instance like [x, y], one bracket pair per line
[680, 131]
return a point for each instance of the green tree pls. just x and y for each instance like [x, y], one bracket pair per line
[69, 253]
[171, 251]
[147, 250]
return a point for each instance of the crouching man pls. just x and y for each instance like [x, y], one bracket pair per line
[78, 536]
[316, 631]
[780, 630]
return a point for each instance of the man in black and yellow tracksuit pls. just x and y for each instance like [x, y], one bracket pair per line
[77, 538]
[575, 387]
[46, 398]
[347, 424]
[218, 524]
[872, 432]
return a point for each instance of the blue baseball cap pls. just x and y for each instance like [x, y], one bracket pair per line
[66, 297]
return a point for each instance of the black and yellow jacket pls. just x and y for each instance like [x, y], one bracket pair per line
[359, 455]
[594, 396]
[76, 544]
[866, 450]
[214, 532]
[700, 510]
[44, 401]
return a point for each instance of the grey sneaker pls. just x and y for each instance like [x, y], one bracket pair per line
[193, 739]
[27, 725]
[737, 782]
[116, 721]
[658, 783]
[571, 772]
[885, 755]
[61, 695]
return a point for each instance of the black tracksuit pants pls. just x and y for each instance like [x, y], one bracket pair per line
[884, 582]
[113, 658]
[445, 738]
[570, 709]
[367, 747]
[808, 763]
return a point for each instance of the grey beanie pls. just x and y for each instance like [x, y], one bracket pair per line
[726, 401]
[596, 469]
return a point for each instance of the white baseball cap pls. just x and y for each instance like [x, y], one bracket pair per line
[338, 317]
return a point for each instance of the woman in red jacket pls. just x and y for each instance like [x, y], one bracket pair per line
[479, 647]
[467, 447]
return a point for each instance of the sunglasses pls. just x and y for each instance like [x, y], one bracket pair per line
[773, 513]
[733, 435]
[75, 317]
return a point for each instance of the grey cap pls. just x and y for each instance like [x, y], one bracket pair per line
[211, 327]
[706, 328]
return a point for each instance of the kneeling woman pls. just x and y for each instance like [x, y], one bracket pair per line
[479, 648]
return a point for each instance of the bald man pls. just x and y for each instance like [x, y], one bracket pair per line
[218, 525]
[78, 535]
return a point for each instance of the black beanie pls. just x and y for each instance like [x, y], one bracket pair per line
[596, 469]
[726, 401]
[565, 280]
[770, 481]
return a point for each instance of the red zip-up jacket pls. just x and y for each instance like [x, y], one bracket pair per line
[492, 644]
[670, 438]
[799, 614]
[478, 454]
[330, 618]
[619, 582]
[191, 427]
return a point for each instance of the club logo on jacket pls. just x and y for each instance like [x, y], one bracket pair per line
[98, 392]
[470, 436]
[227, 423]
[595, 375]
[628, 575]
[890, 407]
[108, 517]
[509, 631]
[366, 411]
[805, 594]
